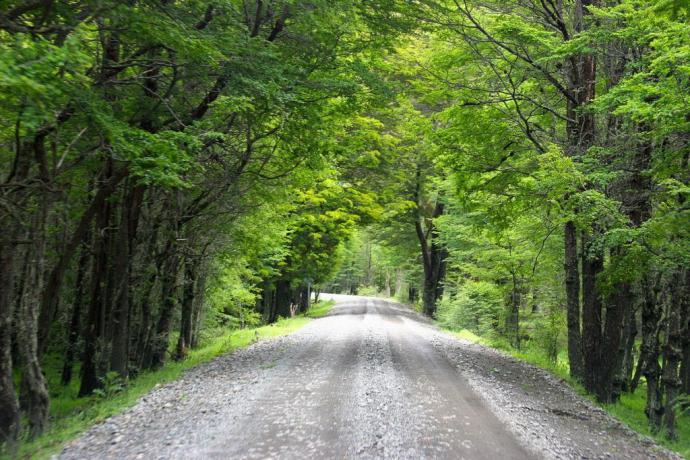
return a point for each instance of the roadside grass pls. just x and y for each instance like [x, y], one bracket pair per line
[320, 309]
[70, 415]
[629, 410]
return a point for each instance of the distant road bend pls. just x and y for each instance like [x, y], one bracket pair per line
[371, 380]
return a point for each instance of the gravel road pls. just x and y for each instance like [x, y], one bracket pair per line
[371, 380]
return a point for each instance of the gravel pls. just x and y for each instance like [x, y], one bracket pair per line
[371, 380]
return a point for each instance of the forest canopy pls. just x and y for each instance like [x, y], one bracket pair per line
[171, 170]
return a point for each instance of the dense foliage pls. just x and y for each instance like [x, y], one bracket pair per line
[167, 168]
[554, 166]
[170, 169]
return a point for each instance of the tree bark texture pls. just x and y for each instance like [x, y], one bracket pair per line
[592, 264]
[572, 285]
[9, 406]
[73, 332]
[34, 390]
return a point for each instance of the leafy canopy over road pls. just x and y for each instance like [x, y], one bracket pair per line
[172, 169]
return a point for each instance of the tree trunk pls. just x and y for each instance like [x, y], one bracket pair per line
[627, 352]
[9, 406]
[433, 258]
[33, 385]
[267, 301]
[11, 233]
[199, 299]
[672, 355]
[649, 354]
[184, 342]
[429, 296]
[129, 222]
[159, 346]
[592, 351]
[51, 291]
[94, 352]
[613, 343]
[685, 365]
[150, 274]
[635, 198]
[143, 336]
[513, 318]
[118, 328]
[304, 297]
[75, 320]
[572, 288]
[580, 134]
[412, 293]
[282, 300]
[398, 283]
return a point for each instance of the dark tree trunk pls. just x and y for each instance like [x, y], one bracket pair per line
[143, 336]
[627, 352]
[150, 273]
[412, 293]
[283, 296]
[120, 328]
[11, 233]
[9, 406]
[184, 341]
[34, 389]
[304, 297]
[433, 259]
[580, 134]
[51, 291]
[199, 299]
[613, 343]
[267, 304]
[93, 358]
[592, 264]
[635, 198]
[672, 355]
[572, 288]
[75, 320]
[685, 365]
[649, 354]
[513, 317]
[159, 344]
[429, 296]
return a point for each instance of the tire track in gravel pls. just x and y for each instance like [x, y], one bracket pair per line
[371, 380]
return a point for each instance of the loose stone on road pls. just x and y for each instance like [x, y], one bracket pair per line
[371, 380]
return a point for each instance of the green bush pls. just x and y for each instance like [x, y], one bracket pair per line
[549, 334]
[371, 291]
[476, 306]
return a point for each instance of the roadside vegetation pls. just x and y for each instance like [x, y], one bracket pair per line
[372, 268]
[71, 414]
[542, 149]
[172, 170]
[629, 409]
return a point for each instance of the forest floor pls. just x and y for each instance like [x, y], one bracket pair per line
[370, 380]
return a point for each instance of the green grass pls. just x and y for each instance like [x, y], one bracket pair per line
[629, 410]
[71, 415]
[320, 309]
[470, 336]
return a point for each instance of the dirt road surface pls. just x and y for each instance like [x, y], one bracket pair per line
[371, 380]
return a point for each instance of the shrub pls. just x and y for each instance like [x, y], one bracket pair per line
[476, 307]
